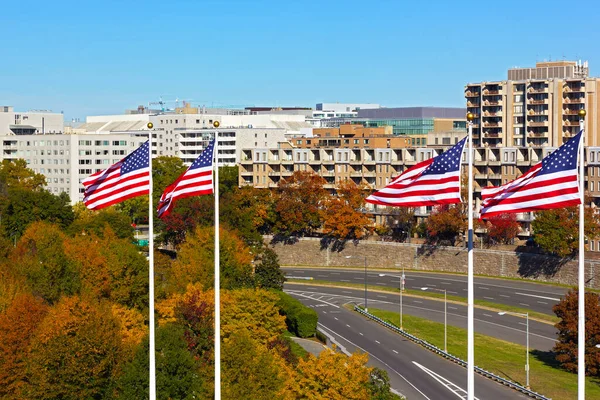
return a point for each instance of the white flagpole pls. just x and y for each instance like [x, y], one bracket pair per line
[217, 274]
[151, 275]
[581, 313]
[470, 298]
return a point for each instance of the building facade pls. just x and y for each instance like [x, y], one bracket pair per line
[29, 122]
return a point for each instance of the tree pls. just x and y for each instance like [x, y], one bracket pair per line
[24, 206]
[401, 222]
[445, 223]
[15, 174]
[379, 385]
[40, 258]
[250, 371]
[566, 346]
[176, 371]
[503, 228]
[186, 216]
[343, 219]
[557, 230]
[17, 326]
[75, 352]
[89, 221]
[268, 274]
[195, 260]
[300, 202]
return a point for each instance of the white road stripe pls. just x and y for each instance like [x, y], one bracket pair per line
[489, 298]
[503, 295]
[524, 304]
[377, 341]
[395, 351]
[452, 387]
[539, 297]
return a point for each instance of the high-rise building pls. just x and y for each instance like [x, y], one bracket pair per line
[536, 107]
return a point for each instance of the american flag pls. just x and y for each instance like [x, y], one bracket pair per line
[431, 182]
[551, 183]
[128, 178]
[197, 180]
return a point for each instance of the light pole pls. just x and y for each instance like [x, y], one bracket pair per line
[445, 316]
[526, 315]
[401, 290]
[366, 308]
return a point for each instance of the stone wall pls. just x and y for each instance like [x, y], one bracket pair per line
[510, 264]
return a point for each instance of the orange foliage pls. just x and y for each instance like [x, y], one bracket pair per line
[17, 326]
[133, 329]
[93, 272]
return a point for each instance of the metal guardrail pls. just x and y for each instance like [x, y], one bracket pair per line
[455, 359]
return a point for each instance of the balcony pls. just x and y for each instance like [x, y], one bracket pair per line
[570, 112]
[574, 89]
[468, 93]
[356, 174]
[480, 176]
[246, 161]
[489, 103]
[480, 162]
[537, 134]
[492, 124]
[244, 173]
[492, 114]
[473, 104]
[537, 112]
[491, 135]
[494, 162]
[537, 101]
[523, 162]
[537, 123]
[570, 123]
[576, 100]
[537, 90]
[487, 92]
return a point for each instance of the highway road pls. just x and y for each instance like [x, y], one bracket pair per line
[414, 371]
[532, 296]
[512, 329]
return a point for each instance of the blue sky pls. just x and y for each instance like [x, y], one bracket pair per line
[90, 58]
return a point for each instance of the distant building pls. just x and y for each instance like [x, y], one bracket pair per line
[29, 122]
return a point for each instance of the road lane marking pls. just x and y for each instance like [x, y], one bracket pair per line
[382, 283]
[360, 279]
[446, 283]
[483, 288]
[488, 315]
[489, 298]
[539, 297]
[370, 356]
[503, 295]
[417, 301]
[452, 387]
[383, 297]
[361, 334]
[450, 291]
[335, 273]
[336, 318]
[542, 302]
[395, 351]
[345, 280]
[452, 308]
[345, 291]
[324, 276]
[348, 325]
[377, 341]
[524, 304]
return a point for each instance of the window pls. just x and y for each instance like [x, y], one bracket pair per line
[591, 186]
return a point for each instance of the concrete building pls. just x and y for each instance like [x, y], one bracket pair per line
[29, 122]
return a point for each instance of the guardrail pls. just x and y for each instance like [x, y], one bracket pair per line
[450, 357]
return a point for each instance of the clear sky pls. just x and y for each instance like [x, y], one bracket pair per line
[91, 58]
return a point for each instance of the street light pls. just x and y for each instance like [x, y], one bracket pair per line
[445, 316]
[366, 309]
[526, 315]
[401, 290]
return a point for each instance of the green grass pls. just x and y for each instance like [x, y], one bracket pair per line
[534, 315]
[500, 357]
[296, 349]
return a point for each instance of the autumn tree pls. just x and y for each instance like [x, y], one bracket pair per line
[400, 222]
[195, 260]
[565, 348]
[503, 228]
[40, 258]
[186, 216]
[557, 230]
[75, 352]
[90, 221]
[17, 326]
[343, 218]
[300, 203]
[445, 223]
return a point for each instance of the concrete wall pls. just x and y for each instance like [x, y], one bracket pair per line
[510, 264]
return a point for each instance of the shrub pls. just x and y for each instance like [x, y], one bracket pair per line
[300, 319]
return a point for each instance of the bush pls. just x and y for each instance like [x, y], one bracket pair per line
[300, 320]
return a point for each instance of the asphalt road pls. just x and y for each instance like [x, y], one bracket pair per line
[414, 371]
[532, 296]
[512, 329]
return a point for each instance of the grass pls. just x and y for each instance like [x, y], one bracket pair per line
[500, 357]
[296, 349]
[534, 315]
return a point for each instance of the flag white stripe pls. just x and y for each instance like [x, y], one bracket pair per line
[100, 191]
[418, 186]
[396, 200]
[491, 191]
[93, 178]
[179, 192]
[525, 204]
[533, 191]
[140, 189]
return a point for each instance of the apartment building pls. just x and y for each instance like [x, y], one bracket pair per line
[65, 160]
[535, 107]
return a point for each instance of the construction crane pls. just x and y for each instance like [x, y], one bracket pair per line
[162, 103]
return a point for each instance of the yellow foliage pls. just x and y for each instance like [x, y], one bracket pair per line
[133, 329]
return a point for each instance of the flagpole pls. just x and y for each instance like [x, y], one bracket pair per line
[217, 273]
[470, 298]
[151, 274]
[581, 313]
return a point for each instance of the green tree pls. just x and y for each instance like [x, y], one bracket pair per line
[177, 375]
[379, 386]
[268, 274]
[24, 206]
[75, 352]
[565, 348]
[40, 258]
[15, 174]
[95, 222]
[557, 230]
[300, 203]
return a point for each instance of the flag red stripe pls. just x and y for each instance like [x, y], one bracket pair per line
[123, 184]
[536, 196]
[559, 204]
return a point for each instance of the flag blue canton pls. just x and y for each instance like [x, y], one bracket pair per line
[205, 158]
[137, 160]
[448, 161]
[563, 159]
